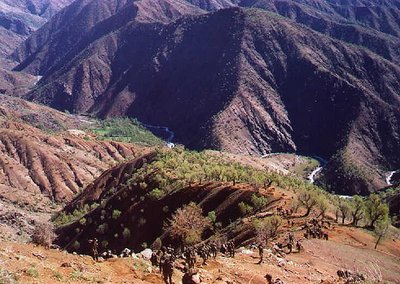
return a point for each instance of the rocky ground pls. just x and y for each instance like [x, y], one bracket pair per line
[347, 248]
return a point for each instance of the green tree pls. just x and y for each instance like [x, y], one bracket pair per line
[381, 230]
[376, 210]
[357, 208]
[344, 209]
[308, 199]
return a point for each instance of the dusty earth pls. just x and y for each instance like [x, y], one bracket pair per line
[348, 248]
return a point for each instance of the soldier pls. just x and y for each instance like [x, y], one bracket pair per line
[224, 249]
[214, 250]
[291, 238]
[231, 249]
[261, 253]
[162, 259]
[94, 244]
[168, 269]
[299, 246]
[290, 247]
[155, 259]
[203, 254]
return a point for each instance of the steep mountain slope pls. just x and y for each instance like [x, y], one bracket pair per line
[83, 22]
[265, 84]
[275, 86]
[365, 24]
[19, 18]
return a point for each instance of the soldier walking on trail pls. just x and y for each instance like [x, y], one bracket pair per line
[94, 245]
[214, 250]
[261, 253]
[168, 269]
[231, 249]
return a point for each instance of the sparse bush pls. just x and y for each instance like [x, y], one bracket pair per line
[212, 217]
[245, 208]
[76, 245]
[126, 234]
[32, 272]
[267, 228]
[188, 224]
[259, 202]
[156, 194]
[102, 229]
[7, 277]
[43, 235]
[116, 214]
[58, 276]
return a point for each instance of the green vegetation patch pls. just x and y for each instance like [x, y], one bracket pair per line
[126, 130]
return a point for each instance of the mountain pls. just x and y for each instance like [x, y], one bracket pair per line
[19, 19]
[311, 77]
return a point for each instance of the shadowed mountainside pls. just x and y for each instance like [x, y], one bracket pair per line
[275, 85]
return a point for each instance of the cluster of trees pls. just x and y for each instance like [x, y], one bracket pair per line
[178, 168]
[371, 210]
[125, 130]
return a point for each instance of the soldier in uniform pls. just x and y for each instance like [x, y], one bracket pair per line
[231, 249]
[168, 269]
[261, 253]
[94, 245]
[214, 250]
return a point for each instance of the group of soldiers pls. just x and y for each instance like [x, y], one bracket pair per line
[164, 259]
[314, 229]
[284, 212]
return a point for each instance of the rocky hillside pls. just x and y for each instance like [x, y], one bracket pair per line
[45, 157]
[19, 19]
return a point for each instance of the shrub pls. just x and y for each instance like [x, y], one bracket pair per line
[32, 272]
[43, 234]
[126, 234]
[259, 202]
[102, 229]
[156, 194]
[245, 208]
[116, 214]
[188, 224]
[212, 217]
[156, 245]
[267, 228]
